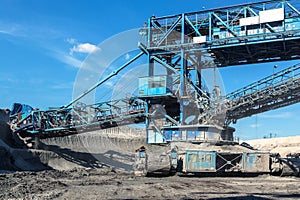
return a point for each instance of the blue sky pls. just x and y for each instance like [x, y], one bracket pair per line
[43, 43]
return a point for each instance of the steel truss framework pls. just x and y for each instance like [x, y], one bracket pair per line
[81, 117]
[185, 44]
[275, 91]
[226, 37]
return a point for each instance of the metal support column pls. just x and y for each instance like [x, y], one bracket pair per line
[182, 72]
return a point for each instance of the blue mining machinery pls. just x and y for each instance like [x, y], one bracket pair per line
[188, 125]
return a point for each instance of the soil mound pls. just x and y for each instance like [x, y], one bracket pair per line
[284, 146]
[110, 148]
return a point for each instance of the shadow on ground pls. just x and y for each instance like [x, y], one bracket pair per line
[112, 159]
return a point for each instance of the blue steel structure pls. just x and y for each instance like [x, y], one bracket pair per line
[187, 43]
[176, 106]
[275, 91]
[65, 121]
[243, 34]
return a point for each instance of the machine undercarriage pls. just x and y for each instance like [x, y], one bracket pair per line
[211, 157]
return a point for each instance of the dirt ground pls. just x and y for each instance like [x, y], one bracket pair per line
[98, 165]
[107, 184]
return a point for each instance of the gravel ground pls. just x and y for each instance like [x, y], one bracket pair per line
[77, 173]
[108, 184]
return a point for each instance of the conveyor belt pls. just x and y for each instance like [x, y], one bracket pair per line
[275, 91]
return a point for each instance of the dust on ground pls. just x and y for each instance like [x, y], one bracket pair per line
[108, 184]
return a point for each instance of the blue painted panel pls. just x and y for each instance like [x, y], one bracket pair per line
[174, 155]
[249, 161]
[24, 109]
[172, 135]
[176, 135]
[256, 162]
[142, 154]
[168, 135]
[157, 91]
[155, 85]
[143, 86]
[192, 135]
[292, 24]
[200, 161]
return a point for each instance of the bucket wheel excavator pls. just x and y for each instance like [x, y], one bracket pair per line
[188, 124]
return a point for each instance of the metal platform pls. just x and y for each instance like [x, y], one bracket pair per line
[244, 34]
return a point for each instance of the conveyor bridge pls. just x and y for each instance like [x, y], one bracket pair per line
[275, 91]
[79, 118]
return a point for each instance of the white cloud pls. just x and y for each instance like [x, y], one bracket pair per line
[71, 40]
[255, 125]
[40, 37]
[5, 32]
[11, 29]
[84, 48]
[282, 115]
[71, 61]
[66, 58]
[59, 86]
